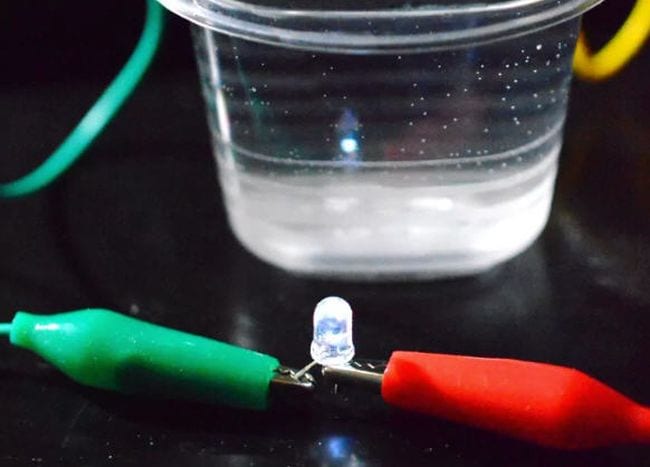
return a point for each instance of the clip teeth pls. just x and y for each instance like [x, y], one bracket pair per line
[285, 376]
[357, 372]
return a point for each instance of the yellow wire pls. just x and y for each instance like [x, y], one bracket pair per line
[618, 51]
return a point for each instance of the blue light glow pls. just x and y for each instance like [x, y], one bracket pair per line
[349, 145]
[338, 447]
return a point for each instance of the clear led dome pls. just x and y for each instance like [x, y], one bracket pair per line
[332, 343]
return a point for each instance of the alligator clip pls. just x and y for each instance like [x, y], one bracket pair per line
[544, 404]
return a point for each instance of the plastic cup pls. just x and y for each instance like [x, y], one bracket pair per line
[370, 139]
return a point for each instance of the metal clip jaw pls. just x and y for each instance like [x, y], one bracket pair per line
[290, 378]
[289, 386]
[359, 373]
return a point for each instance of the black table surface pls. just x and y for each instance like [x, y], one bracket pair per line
[138, 226]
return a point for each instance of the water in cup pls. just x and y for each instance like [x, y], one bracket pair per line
[396, 165]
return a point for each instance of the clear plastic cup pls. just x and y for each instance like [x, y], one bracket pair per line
[379, 139]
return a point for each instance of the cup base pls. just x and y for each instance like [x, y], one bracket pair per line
[448, 240]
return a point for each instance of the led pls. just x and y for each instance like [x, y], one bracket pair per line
[332, 343]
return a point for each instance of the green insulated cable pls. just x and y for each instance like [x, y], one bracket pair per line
[99, 115]
[5, 328]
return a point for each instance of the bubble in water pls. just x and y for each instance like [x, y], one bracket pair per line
[538, 46]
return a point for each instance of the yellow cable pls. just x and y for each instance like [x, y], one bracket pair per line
[618, 51]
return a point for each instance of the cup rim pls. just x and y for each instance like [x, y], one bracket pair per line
[439, 26]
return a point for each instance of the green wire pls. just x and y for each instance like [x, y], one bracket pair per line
[99, 115]
[5, 328]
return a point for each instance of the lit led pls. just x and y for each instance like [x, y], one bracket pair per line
[332, 343]
[349, 145]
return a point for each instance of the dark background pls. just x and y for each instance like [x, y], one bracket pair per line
[138, 226]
